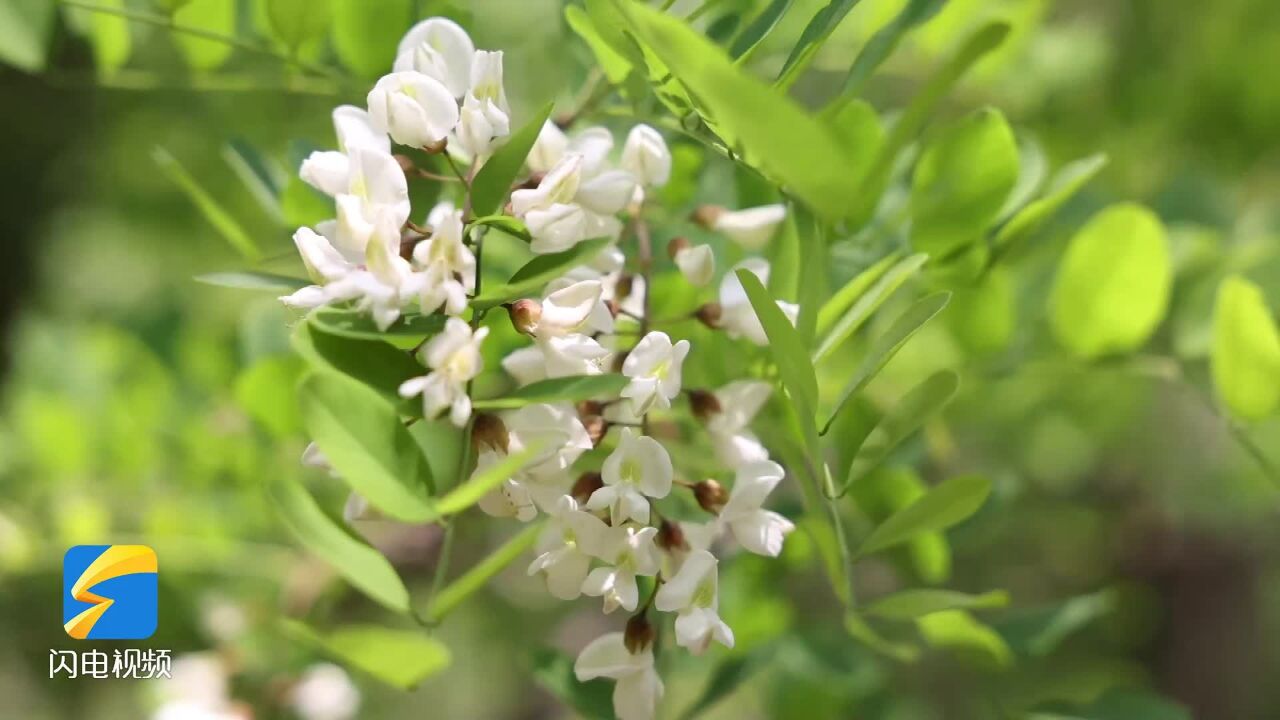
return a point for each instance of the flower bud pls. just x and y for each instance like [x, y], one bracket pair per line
[710, 315]
[597, 427]
[587, 483]
[707, 215]
[587, 408]
[647, 157]
[670, 536]
[525, 315]
[622, 289]
[489, 431]
[696, 263]
[406, 163]
[711, 496]
[704, 404]
[639, 634]
[676, 245]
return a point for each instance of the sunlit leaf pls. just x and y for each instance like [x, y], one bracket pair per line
[469, 493]
[492, 185]
[615, 65]
[399, 658]
[860, 630]
[759, 28]
[904, 419]
[361, 565]
[299, 22]
[216, 16]
[553, 390]
[507, 224]
[212, 211]
[535, 274]
[1113, 284]
[914, 603]
[26, 28]
[815, 34]
[950, 502]
[959, 632]
[266, 391]
[365, 33]
[788, 351]
[1062, 187]
[1246, 350]
[253, 280]
[453, 594]
[365, 440]
[882, 44]
[858, 300]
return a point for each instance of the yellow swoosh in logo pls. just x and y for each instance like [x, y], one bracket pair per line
[114, 562]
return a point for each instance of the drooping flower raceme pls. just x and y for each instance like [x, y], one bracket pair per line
[637, 689]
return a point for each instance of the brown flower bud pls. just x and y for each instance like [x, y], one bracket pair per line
[671, 537]
[676, 245]
[586, 484]
[587, 408]
[525, 315]
[622, 289]
[531, 182]
[597, 427]
[436, 147]
[406, 164]
[709, 315]
[707, 215]
[704, 404]
[489, 431]
[639, 634]
[711, 496]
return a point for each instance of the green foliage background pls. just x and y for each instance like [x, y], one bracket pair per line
[1132, 520]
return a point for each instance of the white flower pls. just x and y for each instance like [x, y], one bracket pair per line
[697, 263]
[639, 466]
[693, 593]
[569, 355]
[739, 401]
[638, 688]
[440, 48]
[563, 210]
[355, 508]
[548, 148]
[328, 171]
[756, 529]
[737, 316]
[645, 155]
[485, 117]
[540, 483]
[594, 145]
[323, 261]
[629, 552]
[413, 108]
[573, 307]
[325, 692]
[564, 559]
[447, 267]
[654, 368]
[454, 358]
[526, 365]
[374, 185]
[751, 228]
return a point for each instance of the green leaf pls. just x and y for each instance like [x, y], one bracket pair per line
[1246, 350]
[373, 363]
[266, 391]
[885, 41]
[850, 308]
[820, 27]
[860, 630]
[947, 504]
[212, 211]
[755, 33]
[406, 332]
[957, 631]
[261, 176]
[399, 658]
[615, 65]
[552, 390]
[787, 348]
[469, 493]
[298, 22]
[109, 35]
[365, 33]
[303, 205]
[887, 345]
[776, 134]
[507, 224]
[553, 670]
[1040, 631]
[492, 185]
[857, 128]
[217, 16]
[535, 274]
[917, 602]
[253, 280]
[908, 416]
[26, 29]
[726, 678]
[961, 182]
[361, 565]
[871, 186]
[890, 489]
[1065, 184]
[1113, 284]
[452, 595]
[367, 444]
[814, 261]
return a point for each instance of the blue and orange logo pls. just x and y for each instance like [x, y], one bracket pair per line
[110, 592]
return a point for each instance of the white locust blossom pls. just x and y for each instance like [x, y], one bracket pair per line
[485, 117]
[551, 146]
[568, 206]
[654, 367]
[413, 108]
[637, 689]
[693, 593]
[440, 48]
[739, 402]
[325, 692]
[638, 467]
[526, 365]
[645, 155]
[629, 551]
[756, 529]
[564, 557]
[540, 483]
[446, 266]
[454, 358]
[737, 316]
[697, 263]
[561, 328]
[373, 186]
[751, 228]
[328, 170]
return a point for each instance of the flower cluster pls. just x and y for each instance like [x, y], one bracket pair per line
[605, 535]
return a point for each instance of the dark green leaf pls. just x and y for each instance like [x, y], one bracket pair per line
[407, 332]
[253, 280]
[908, 416]
[860, 630]
[366, 442]
[857, 301]
[553, 390]
[373, 363]
[542, 269]
[1040, 631]
[361, 565]
[553, 670]
[399, 658]
[759, 29]
[492, 184]
[820, 27]
[505, 223]
[887, 345]
[882, 44]
[914, 603]
[950, 502]
[213, 212]
[1246, 350]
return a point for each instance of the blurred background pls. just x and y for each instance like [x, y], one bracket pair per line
[1136, 535]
